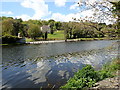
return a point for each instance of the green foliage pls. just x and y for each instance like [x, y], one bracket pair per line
[57, 25]
[112, 66]
[116, 8]
[83, 78]
[51, 24]
[7, 27]
[6, 39]
[29, 22]
[109, 69]
[83, 30]
[34, 31]
[72, 30]
[87, 76]
[12, 26]
[29, 39]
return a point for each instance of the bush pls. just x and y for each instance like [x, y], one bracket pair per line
[6, 39]
[34, 31]
[87, 77]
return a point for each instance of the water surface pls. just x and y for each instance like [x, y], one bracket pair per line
[51, 65]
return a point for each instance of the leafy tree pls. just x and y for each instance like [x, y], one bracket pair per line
[36, 22]
[12, 26]
[44, 22]
[57, 25]
[66, 30]
[8, 27]
[116, 12]
[34, 31]
[51, 20]
[18, 27]
[51, 24]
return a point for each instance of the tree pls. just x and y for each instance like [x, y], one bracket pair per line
[8, 27]
[116, 12]
[34, 31]
[57, 25]
[51, 24]
[44, 22]
[11, 26]
[104, 11]
[51, 20]
[18, 26]
[66, 29]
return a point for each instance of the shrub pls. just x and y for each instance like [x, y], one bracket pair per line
[87, 77]
[83, 78]
[6, 39]
[34, 31]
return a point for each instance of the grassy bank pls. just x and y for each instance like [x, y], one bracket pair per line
[29, 40]
[90, 39]
[87, 76]
[59, 35]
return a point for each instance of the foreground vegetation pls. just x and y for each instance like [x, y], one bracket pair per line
[87, 76]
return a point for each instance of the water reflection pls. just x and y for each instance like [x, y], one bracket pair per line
[31, 69]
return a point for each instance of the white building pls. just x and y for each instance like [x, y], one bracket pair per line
[45, 28]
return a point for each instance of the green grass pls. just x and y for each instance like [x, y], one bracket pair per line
[58, 35]
[4, 44]
[90, 39]
[112, 66]
[29, 40]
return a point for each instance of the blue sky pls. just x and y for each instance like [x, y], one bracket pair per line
[59, 10]
[17, 9]
[39, 9]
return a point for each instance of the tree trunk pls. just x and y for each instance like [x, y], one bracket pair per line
[46, 34]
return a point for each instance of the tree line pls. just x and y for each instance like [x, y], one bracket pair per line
[30, 28]
[72, 30]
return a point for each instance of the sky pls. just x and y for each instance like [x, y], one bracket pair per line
[59, 10]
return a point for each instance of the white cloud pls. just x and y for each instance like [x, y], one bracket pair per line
[65, 18]
[24, 17]
[60, 3]
[39, 7]
[74, 6]
[6, 13]
[85, 15]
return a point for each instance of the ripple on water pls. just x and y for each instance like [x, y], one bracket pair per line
[42, 71]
